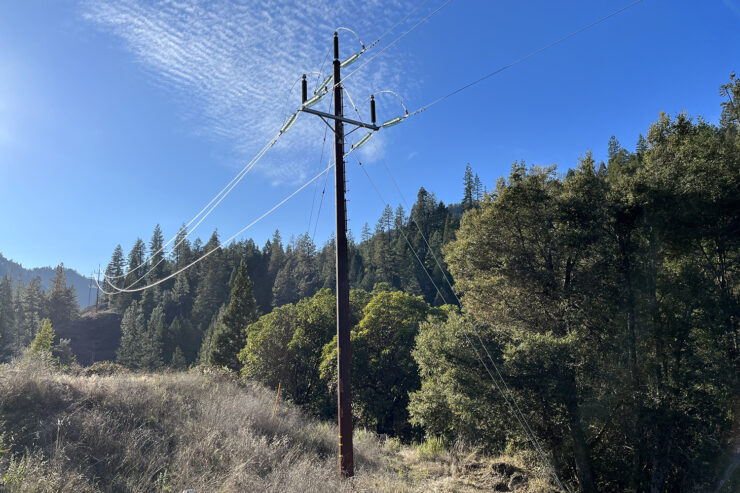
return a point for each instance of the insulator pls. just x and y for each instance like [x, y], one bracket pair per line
[362, 141]
[349, 61]
[392, 122]
[289, 123]
[323, 85]
[315, 99]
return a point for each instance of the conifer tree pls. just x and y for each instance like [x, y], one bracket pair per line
[7, 318]
[44, 340]
[468, 188]
[178, 360]
[477, 189]
[157, 328]
[30, 310]
[181, 252]
[115, 277]
[158, 265]
[114, 271]
[63, 305]
[240, 312]
[137, 350]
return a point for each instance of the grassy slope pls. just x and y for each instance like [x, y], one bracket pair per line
[209, 432]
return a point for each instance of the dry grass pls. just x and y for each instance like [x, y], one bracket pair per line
[170, 432]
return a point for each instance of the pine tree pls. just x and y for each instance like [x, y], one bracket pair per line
[366, 233]
[212, 289]
[468, 188]
[30, 310]
[114, 271]
[399, 219]
[386, 219]
[63, 305]
[44, 340]
[134, 339]
[7, 318]
[157, 328]
[114, 274]
[477, 189]
[157, 262]
[178, 360]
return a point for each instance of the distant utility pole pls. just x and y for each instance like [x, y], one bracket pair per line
[97, 290]
[344, 384]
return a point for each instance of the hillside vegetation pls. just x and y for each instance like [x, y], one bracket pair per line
[590, 317]
[206, 431]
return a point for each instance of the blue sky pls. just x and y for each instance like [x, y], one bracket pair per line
[118, 115]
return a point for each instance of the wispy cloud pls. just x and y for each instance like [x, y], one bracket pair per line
[233, 62]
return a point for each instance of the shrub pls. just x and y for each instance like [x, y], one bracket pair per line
[104, 369]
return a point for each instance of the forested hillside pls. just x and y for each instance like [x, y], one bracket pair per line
[590, 318]
[19, 274]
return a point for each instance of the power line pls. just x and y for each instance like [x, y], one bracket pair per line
[398, 24]
[316, 186]
[526, 57]
[220, 245]
[246, 169]
[318, 214]
[217, 198]
[518, 415]
[223, 194]
[403, 35]
[223, 243]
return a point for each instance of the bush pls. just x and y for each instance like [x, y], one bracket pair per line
[431, 448]
[104, 369]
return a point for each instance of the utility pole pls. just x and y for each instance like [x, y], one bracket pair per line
[344, 384]
[97, 291]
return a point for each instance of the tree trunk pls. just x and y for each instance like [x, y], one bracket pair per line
[580, 449]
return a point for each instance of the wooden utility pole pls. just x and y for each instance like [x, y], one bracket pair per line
[344, 384]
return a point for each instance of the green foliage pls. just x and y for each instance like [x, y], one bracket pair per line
[610, 301]
[44, 340]
[383, 370]
[63, 353]
[104, 369]
[62, 300]
[285, 347]
[178, 360]
[430, 448]
[455, 400]
[229, 334]
[7, 318]
[138, 349]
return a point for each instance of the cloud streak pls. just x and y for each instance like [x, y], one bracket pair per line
[231, 63]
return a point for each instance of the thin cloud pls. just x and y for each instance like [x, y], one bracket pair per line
[233, 63]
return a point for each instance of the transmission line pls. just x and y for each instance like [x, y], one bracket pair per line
[227, 189]
[354, 57]
[398, 24]
[220, 245]
[218, 199]
[316, 186]
[527, 57]
[520, 415]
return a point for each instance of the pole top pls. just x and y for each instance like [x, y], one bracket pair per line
[336, 45]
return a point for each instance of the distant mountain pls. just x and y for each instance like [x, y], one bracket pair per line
[18, 272]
